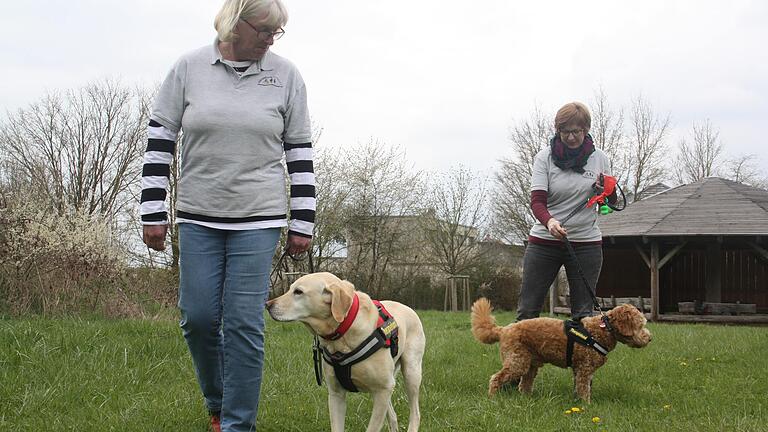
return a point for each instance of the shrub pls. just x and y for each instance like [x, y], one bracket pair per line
[55, 263]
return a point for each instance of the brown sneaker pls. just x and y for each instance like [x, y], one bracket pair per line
[215, 423]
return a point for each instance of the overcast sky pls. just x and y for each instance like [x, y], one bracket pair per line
[444, 79]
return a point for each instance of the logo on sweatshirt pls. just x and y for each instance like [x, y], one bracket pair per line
[270, 81]
[589, 174]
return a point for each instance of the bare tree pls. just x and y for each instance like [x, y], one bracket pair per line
[332, 192]
[700, 159]
[608, 133]
[648, 132]
[457, 200]
[384, 192]
[78, 151]
[512, 217]
[743, 169]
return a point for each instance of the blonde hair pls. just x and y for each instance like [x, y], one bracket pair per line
[574, 112]
[270, 12]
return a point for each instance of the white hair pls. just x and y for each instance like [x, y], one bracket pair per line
[270, 12]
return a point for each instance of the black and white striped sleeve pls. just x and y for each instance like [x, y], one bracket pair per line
[155, 175]
[298, 158]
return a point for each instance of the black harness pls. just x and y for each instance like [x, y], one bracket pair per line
[576, 333]
[385, 335]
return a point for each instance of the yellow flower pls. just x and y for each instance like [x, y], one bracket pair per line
[683, 364]
[698, 358]
[666, 407]
[576, 409]
[595, 419]
[567, 412]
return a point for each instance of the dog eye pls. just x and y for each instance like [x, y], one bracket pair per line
[298, 292]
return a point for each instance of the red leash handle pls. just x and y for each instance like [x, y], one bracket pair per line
[609, 187]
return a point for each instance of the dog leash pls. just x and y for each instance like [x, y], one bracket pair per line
[278, 272]
[603, 317]
[282, 266]
[600, 199]
[316, 361]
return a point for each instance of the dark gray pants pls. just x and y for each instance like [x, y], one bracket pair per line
[540, 266]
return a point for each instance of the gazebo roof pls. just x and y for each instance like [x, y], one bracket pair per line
[712, 206]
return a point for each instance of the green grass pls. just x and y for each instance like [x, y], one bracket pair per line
[130, 375]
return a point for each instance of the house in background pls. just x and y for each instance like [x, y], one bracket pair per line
[700, 243]
[651, 190]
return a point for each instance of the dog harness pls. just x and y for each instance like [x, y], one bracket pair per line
[385, 335]
[576, 333]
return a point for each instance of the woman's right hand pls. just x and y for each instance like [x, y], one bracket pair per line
[154, 236]
[554, 228]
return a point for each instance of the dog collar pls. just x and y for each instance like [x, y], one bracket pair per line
[348, 320]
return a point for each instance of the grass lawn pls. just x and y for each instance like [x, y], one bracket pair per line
[130, 375]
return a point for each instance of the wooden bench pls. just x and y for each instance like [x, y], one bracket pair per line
[607, 303]
[711, 308]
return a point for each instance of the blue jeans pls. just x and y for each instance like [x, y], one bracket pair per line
[224, 283]
[540, 266]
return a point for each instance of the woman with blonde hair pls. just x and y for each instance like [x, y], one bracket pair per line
[564, 175]
[241, 108]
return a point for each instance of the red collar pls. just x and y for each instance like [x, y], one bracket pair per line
[348, 320]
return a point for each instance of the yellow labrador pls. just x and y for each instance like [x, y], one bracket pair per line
[327, 306]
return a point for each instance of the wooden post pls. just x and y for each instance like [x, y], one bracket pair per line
[713, 288]
[467, 296]
[654, 259]
[455, 292]
[553, 291]
[445, 303]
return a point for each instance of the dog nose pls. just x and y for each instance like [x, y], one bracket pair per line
[270, 303]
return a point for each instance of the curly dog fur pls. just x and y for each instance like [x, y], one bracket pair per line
[527, 345]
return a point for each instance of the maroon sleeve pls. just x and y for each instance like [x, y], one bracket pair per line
[539, 206]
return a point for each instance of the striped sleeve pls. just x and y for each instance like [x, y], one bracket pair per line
[155, 175]
[298, 158]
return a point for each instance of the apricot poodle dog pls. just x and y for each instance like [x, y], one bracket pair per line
[527, 345]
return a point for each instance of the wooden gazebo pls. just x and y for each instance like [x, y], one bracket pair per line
[699, 248]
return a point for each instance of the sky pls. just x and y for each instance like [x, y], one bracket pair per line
[443, 79]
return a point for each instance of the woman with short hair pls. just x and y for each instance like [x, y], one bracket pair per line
[241, 109]
[564, 176]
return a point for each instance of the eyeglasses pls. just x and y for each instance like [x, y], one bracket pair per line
[265, 35]
[574, 132]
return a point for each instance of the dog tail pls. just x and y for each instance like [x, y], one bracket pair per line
[484, 327]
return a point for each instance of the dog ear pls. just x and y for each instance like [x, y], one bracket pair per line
[623, 319]
[342, 293]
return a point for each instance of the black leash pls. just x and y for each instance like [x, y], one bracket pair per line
[317, 358]
[572, 252]
[282, 265]
[277, 275]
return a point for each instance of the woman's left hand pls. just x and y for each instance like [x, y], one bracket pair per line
[297, 244]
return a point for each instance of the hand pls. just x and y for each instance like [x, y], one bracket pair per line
[297, 244]
[154, 236]
[554, 228]
[599, 185]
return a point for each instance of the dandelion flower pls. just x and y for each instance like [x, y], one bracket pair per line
[666, 407]
[698, 358]
[595, 419]
[576, 409]
[683, 364]
[567, 412]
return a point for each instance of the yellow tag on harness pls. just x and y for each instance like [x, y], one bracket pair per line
[389, 328]
[578, 333]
